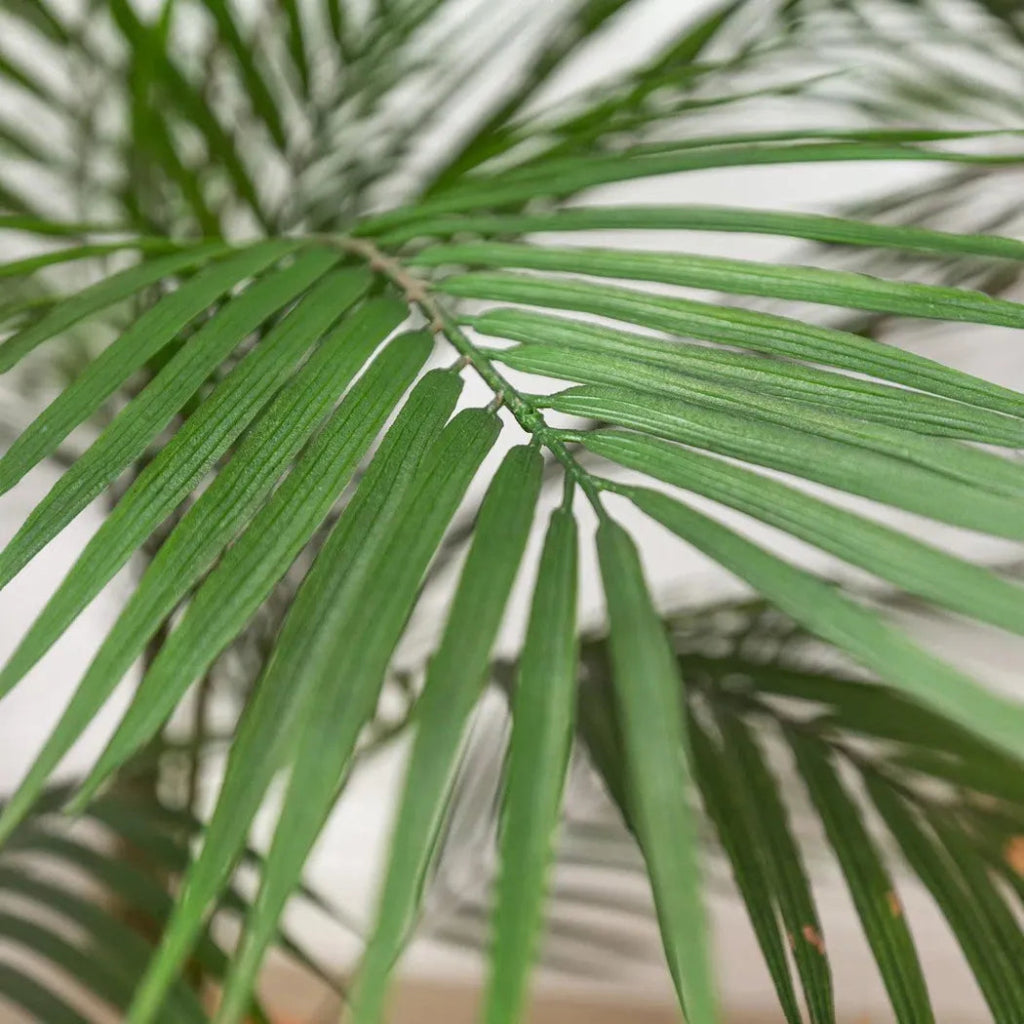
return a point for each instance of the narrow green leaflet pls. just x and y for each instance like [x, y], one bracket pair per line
[866, 399]
[1001, 922]
[814, 227]
[972, 766]
[915, 567]
[108, 292]
[961, 462]
[266, 729]
[179, 466]
[783, 862]
[30, 264]
[649, 696]
[372, 597]
[151, 333]
[246, 574]
[869, 880]
[857, 470]
[749, 329]
[850, 705]
[745, 141]
[543, 713]
[127, 437]
[211, 523]
[726, 804]
[861, 632]
[997, 977]
[454, 682]
[743, 277]
[571, 176]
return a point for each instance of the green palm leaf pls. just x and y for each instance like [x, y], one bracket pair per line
[247, 205]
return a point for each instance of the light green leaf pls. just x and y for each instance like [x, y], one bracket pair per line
[862, 633]
[899, 407]
[246, 574]
[649, 694]
[726, 804]
[742, 277]
[211, 523]
[127, 437]
[915, 567]
[367, 594]
[267, 726]
[857, 470]
[814, 227]
[571, 176]
[543, 713]
[454, 682]
[834, 422]
[869, 881]
[30, 264]
[749, 329]
[176, 470]
[108, 291]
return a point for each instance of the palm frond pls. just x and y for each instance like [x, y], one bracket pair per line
[280, 258]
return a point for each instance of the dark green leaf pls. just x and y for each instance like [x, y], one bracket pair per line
[210, 524]
[127, 437]
[857, 470]
[998, 978]
[648, 690]
[369, 594]
[743, 277]
[834, 230]
[456, 676]
[727, 805]
[267, 727]
[861, 632]
[911, 565]
[760, 332]
[248, 571]
[580, 173]
[869, 881]
[835, 422]
[174, 473]
[542, 727]
[108, 291]
[883, 403]
[783, 862]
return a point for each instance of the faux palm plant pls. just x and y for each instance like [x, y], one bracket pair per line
[307, 225]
